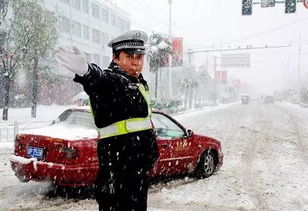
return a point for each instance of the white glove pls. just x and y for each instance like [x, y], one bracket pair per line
[71, 60]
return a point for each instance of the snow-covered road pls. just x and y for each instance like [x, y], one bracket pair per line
[265, 166]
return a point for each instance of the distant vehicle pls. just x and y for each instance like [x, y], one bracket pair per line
[278, 97]
[65, 151]
[268, 99]
[245, 99]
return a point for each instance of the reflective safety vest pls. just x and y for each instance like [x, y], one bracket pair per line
[129, 125]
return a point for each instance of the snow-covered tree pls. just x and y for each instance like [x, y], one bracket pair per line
[31, 33]
[3, 10]
[188, 88]
[159, 50]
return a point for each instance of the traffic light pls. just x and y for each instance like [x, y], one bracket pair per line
[271, 3]
[290, 6]
[246, 7]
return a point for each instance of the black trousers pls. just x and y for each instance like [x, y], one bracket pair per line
[122, 181]
[122, 190]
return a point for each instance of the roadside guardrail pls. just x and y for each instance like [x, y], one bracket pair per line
[8, 130]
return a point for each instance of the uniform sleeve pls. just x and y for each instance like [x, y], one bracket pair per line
[94, 80]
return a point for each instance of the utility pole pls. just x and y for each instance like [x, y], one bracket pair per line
[170, 57]
[215, 78]
[299, 65]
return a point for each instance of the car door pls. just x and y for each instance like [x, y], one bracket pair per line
[174, 146]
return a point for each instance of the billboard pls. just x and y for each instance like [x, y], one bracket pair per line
[235, 60]
[177, 48]
[236, 83]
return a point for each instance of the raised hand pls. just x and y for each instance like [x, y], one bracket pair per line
[71, 59]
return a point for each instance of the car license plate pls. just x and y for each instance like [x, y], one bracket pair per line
[35, 152]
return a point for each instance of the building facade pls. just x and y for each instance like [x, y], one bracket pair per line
[89, 25]
[86, 24]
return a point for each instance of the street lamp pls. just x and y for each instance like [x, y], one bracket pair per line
[170, 57]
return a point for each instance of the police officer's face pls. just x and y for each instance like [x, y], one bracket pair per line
[132, 64]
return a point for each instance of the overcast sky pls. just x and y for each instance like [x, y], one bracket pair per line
[219, 24]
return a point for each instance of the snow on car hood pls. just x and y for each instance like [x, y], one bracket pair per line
[64, 131]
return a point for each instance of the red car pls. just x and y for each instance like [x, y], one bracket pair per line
[65, 151]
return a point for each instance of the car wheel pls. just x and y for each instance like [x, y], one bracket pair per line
[207, 164]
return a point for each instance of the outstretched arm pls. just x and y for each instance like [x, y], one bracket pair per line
[71, 59]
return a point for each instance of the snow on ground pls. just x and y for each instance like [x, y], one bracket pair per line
[265, 165]
[21, 117]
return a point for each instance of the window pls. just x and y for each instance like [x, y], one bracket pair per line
[120, 23]
[88, 56]
[65, 1]
[76, 118]
[105, 61]
[113, 19]
[86, 32]
[76, 29]
[105, 15]
[123, 25]
[104, 38]
[96, 59]
[96, 36]
[126, 26]
[76, 4]
[95, 10]
[85, 6]
[65, 25]
[165, 127]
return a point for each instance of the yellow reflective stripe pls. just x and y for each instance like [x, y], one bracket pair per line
[117, 134]
[146, 95]
[122, 127]
[91, 110]
[135, 124]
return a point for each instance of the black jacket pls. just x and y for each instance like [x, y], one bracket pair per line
[114, 96]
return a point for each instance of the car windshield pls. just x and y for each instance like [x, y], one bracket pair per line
[81, 118]
[165, 127]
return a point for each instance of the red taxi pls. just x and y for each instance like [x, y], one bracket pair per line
[65, 151]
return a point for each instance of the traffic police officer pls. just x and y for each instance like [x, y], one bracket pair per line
[119, 100]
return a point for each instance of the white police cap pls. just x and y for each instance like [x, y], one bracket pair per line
[130, 42]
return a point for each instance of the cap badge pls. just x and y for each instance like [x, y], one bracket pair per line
[138, 34]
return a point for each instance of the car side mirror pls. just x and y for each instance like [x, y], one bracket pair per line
[189, 133]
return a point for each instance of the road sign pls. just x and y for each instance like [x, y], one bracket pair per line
[305, 3]
[235, 60]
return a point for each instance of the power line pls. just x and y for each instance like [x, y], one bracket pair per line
[265, 32]
[237, 49]
[151, 14]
